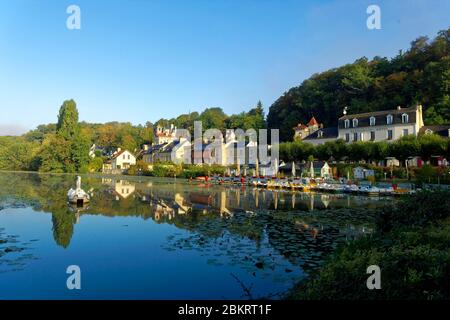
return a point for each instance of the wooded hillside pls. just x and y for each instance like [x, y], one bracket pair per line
[419, 75]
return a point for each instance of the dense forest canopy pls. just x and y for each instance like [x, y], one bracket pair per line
[421, 75]
[216, 118]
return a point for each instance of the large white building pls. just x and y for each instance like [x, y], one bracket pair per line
[386, 125]
[375, 126]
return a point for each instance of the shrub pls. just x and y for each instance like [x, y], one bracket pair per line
[418, 210]
[410, 247]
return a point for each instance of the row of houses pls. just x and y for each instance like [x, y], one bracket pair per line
[169, 147]
[387, 125]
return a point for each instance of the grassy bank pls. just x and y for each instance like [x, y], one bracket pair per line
[411, 247]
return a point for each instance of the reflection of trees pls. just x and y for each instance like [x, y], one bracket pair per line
[63, 227]
[46, 193]
[241, 213]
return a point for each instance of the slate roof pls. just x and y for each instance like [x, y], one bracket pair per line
[442, 130]
[155, 148]
[327, 133]
[380, 117]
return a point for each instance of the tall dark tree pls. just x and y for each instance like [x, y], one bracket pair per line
[67, 125]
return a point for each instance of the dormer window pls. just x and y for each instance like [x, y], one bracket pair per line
[347, 123]
[428, 131]
[355, 123]
[319, 134]
[389, 119]
[372, 121]
[405, 118]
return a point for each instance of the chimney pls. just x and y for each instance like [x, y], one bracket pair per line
[399, 108]
[119, 149]
[145, 147]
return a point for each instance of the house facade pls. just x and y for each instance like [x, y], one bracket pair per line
[122, 160]
[361, 173]
[316, 169]
[388, 125]
[164, 135]
[302, 131]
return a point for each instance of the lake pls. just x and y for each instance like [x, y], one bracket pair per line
[151, 238]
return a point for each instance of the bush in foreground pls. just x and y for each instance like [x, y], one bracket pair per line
[411, 247]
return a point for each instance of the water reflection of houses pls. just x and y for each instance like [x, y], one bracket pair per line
[168, 202]
[121, 188]
[228, 201]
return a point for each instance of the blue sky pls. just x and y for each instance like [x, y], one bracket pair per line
[141, 60]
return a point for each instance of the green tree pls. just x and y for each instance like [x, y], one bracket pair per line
[432, 145]
[213, 118]
[80, 145]
[55, 155]
[67, 125]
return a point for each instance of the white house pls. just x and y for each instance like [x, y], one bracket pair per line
[361, 173]
[392, 162]
[316, 169]
[122, 160]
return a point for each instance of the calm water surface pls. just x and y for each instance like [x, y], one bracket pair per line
[165, 239]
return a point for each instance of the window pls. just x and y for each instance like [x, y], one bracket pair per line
[347, 123]
[128, 157]
[355, 123]
[362, 136]
[355, 136]
[405, 132]
[372, 135]
[372, 121]
[405, 118]
[389, 134]
[319, 134]
[123, 157]
[389, 119]
[347, 137]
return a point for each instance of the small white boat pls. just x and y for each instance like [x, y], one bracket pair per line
[78, 196]
[370, 190]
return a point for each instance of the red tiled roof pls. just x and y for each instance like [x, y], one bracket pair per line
[312, 122]
[163, 134]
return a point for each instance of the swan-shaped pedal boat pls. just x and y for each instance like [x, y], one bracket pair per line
[78, 196]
